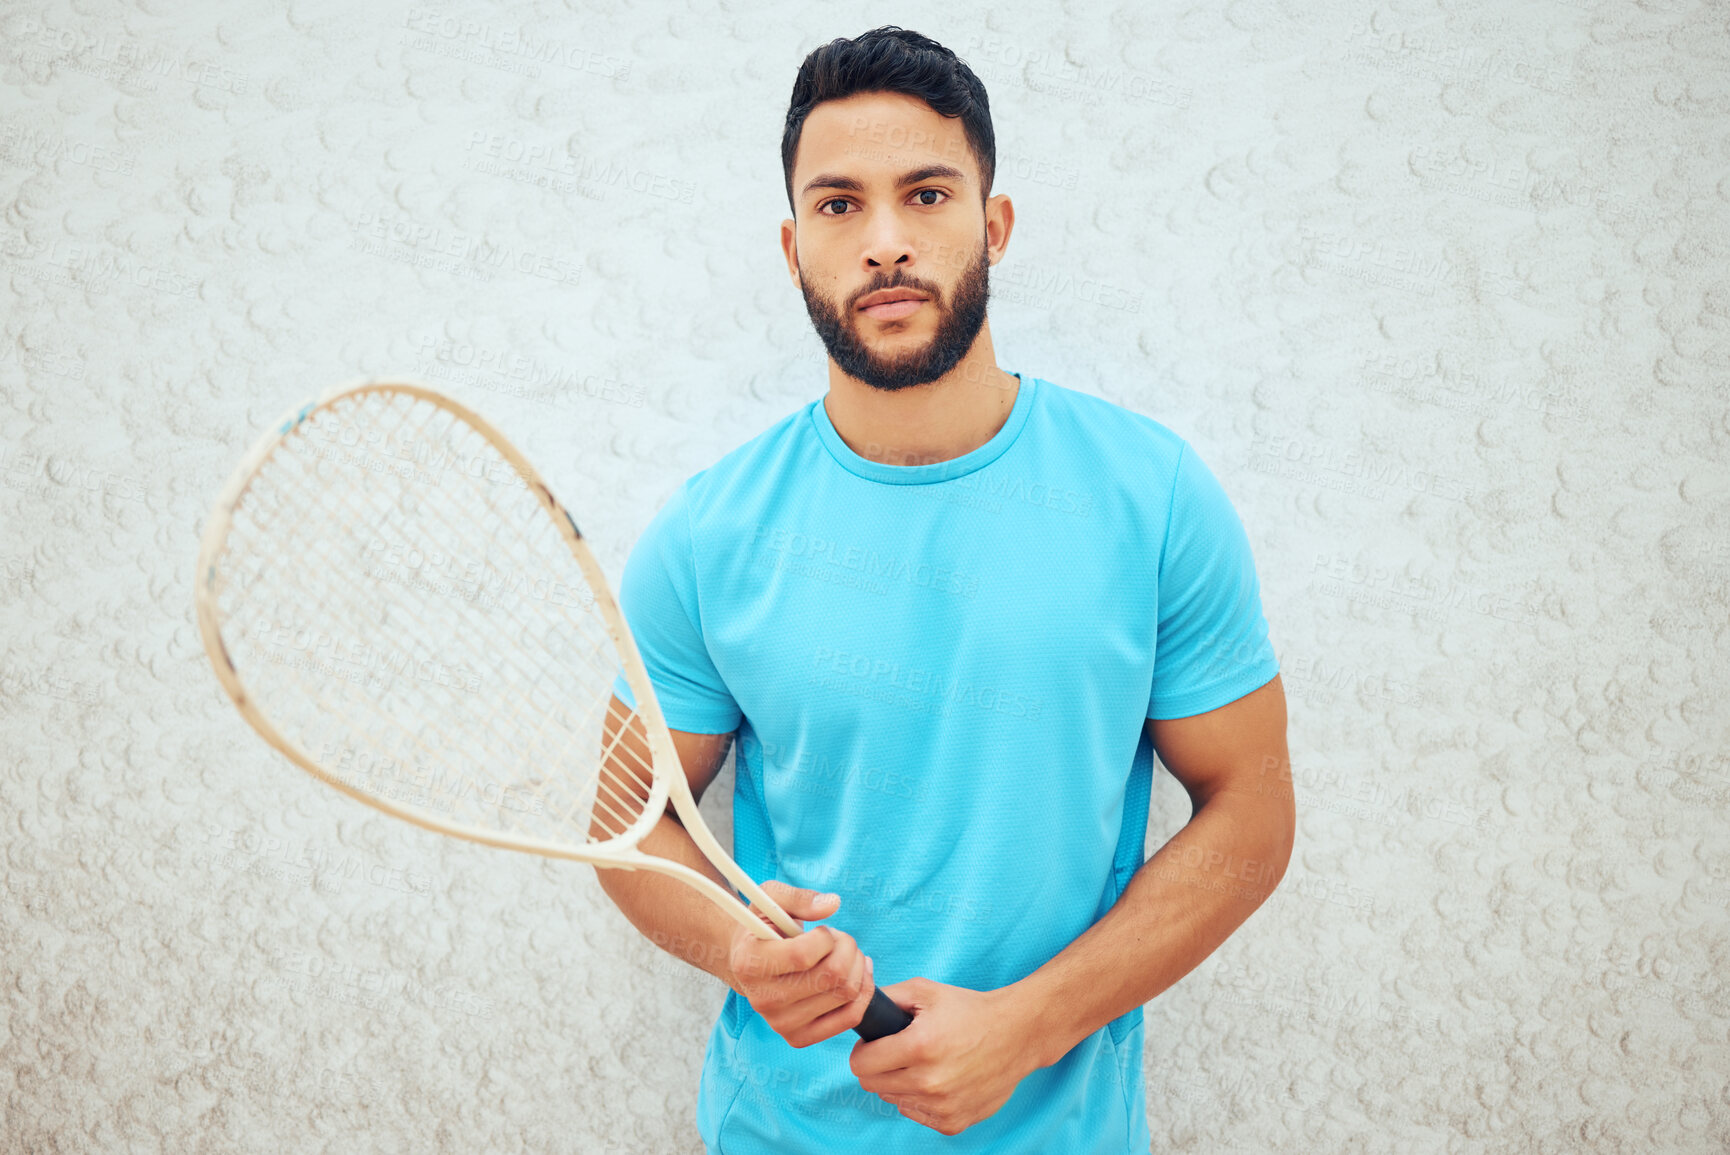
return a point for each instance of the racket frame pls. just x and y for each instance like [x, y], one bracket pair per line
[667, 776]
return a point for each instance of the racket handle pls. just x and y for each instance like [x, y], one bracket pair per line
[882, 1017]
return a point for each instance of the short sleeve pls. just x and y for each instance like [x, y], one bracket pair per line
[658, 596]
[1212, 647]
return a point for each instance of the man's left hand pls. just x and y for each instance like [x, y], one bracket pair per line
[956, 1063]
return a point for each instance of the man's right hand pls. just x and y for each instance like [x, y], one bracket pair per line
[810, 987]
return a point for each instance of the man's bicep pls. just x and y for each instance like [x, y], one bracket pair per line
[701, 755]
[628, 759]
[1240, 746]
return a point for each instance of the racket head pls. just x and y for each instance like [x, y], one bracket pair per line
[471, 702]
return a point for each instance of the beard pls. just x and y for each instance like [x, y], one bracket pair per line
[958, 325]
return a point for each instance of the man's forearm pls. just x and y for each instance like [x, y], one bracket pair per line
[1177, 909]
[672, 915]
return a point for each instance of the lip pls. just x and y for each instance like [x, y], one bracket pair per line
[891, 304]
[894, 310]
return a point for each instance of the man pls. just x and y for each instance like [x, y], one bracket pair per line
[950, 612]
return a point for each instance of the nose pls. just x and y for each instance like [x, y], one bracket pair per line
[887, 242]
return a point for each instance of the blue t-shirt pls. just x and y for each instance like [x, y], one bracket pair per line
[940, 676]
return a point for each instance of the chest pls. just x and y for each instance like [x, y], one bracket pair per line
[953, 605]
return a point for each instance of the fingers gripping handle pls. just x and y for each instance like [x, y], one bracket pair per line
[882, 1017]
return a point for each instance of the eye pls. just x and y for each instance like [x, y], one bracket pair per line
[921, 195]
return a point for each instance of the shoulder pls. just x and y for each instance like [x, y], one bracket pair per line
[744, 477]
[1123, 441]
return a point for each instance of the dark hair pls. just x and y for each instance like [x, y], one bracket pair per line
[891, 59]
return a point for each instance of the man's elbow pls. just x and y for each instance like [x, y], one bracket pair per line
[1281, 823]
[1273, 817]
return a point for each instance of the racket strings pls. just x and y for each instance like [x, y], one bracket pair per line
[341, 616]
[493, 725]
[617, 804]
[377, 605]
[477, 694]
[606, 783]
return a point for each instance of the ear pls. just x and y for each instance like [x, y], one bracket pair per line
[790, 250]
[999, 223]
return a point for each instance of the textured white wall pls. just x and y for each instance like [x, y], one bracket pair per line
[1438, 289]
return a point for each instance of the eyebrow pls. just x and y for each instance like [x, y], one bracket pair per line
[833, 180]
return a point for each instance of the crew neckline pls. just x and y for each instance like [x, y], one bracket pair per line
[934, 471]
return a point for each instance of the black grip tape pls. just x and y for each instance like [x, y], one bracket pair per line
[882, 1017]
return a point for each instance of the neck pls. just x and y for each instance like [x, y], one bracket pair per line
[922, 424]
